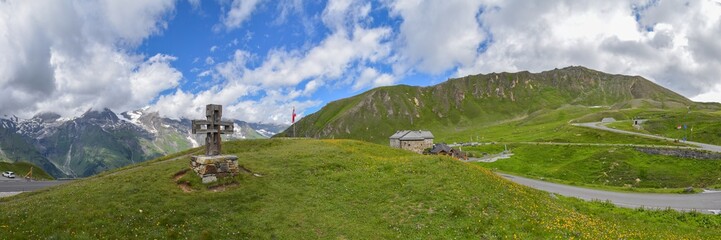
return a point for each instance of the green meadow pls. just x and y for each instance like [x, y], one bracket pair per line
[612, 168]
[327, 189]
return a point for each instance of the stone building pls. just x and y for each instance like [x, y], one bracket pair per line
[415, 141]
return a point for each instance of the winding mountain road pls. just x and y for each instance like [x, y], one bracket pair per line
[709, 202]
[601, 126]
[702, 202]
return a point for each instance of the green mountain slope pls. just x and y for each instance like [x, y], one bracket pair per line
[95, 142]
[312, 189]
[479, 100]
[14, 149]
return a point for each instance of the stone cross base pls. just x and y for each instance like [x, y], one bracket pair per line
[210, 168]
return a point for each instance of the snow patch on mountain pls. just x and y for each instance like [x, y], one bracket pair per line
[265, 133]
[7, 124]
[131, 117]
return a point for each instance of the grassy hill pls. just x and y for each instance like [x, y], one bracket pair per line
[616, 168]
[330, 189]
[701, 125]
[481, 100]
[22, 168]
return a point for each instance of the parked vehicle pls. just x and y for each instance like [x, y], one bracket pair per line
[9, 174]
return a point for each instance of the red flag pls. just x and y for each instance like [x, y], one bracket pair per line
[293, 118]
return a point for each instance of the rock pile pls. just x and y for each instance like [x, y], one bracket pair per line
[683, 153]
[210, 168]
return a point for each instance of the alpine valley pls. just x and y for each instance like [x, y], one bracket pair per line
[101, 140]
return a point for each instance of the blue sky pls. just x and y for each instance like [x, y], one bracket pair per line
[261, 58]
[196, 34]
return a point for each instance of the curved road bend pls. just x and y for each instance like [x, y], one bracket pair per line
[601, 126]
[702, 202]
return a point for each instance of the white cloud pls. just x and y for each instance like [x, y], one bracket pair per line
[240, 11]
[340, 15]
[437, 35]
[283, 76]
[311, 87]
[152, 77]
[82, 54]
[371, 77]
[195, 4]
[275, 107]
[674, 43]
[329, 60]
[79, 55]
[713, 94]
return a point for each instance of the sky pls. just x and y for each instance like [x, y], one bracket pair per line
[262, 58]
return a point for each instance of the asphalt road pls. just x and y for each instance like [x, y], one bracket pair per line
[601, 126]
[702, 202]
[20, 185]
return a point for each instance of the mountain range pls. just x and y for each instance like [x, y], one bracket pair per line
[100, 140]
[478, 100]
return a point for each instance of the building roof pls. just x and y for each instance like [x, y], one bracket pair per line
[412, 135]
[399, 134]
[437, 148]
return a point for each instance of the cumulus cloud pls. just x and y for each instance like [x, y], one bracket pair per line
[281, 72]
[340, 15]
[437, 35]
[68, 56]
[370, 77]
[82, 54]
[672, 43]
[239, 12]
[152, 77]
[283, 76]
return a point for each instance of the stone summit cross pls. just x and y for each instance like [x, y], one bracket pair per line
[212, 127]
[212, 165]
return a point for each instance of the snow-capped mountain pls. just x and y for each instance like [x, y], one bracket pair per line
[102, 140]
